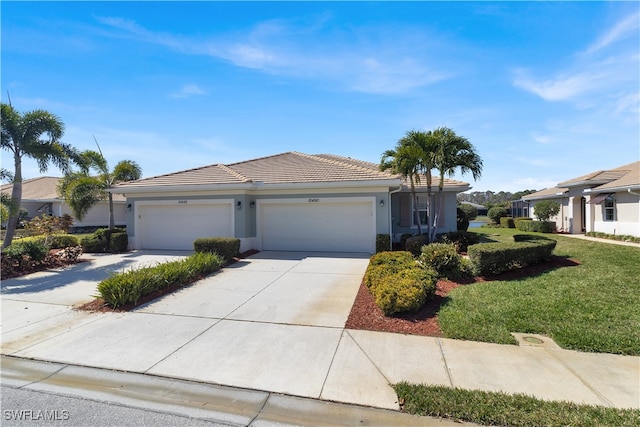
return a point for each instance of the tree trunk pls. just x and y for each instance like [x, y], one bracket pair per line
[16, 198]
[111, 220]
[416, 213]
[438, 212]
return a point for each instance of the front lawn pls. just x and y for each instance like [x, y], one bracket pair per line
[593, 306]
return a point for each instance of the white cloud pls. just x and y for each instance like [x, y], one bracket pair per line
[364, 60]
[627, 27]
[187, 91]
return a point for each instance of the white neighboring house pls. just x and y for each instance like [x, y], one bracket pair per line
[606, 201]
[290, 202]
[39, 196]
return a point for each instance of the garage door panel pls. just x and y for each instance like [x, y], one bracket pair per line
[176, 227]
[340, 226]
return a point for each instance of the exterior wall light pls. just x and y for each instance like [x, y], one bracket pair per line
[252, 204]
[381, 203]
[239, 204]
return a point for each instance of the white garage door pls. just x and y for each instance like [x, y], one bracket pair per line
[318, 225]
[177, 225]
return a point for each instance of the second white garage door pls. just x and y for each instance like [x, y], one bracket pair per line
[176, 224]
[331, 224]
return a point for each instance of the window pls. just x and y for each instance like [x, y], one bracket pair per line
[422, 210]
[609, 208]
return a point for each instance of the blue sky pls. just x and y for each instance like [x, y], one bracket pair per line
[545, 91]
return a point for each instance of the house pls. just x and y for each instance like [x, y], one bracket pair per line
[606, 201]
[290, 201]
[40, 196]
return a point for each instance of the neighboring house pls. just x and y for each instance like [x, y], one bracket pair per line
[482, 210]
[606, 201]
[39, 196]
[290, 201]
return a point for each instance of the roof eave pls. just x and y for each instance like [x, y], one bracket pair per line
[178, 188]
[611, 189]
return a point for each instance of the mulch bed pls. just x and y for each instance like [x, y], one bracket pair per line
[51, 262]
[366, 315]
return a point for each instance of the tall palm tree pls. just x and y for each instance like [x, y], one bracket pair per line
[412, 157]
[35, 134]
[454, 153]
[81, 190]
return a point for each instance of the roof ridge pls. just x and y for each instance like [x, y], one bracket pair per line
[234, 173]
[343, 163]
[229, 165]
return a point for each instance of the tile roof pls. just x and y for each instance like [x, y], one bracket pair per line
[547, 193]
[285, 168]
[604, 176]
[631, 177]
[41, 188]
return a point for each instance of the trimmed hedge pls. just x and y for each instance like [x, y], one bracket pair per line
[444, 259]
[414, 244]
[507, 222]
[495, 258]
[537, 226]
[106, 240]
[33, 248]
[128, 287]
[226, 247]
[383, 242]
[462, 239]
[398, 283]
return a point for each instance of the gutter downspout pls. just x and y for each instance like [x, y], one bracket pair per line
[390, 218]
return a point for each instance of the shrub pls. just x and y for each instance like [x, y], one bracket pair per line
[521, 218]
[119, 242]
[470, 210]
[60, 241]
[444, 259]
[34, 249]
[537, 226]
[507, 222]
[226, 247]
[495, 258]
[383, 242]
[497, 212]
[462, 239]
[546, 209]
[462, 221]
[128, 287]
[398, 283]
[93, 245]
[414, 244]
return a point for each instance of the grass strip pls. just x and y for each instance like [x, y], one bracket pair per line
[501, 409]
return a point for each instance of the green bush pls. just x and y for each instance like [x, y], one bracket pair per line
[470, 210]
[383, 242]
[414, 244]
[507, 222]
[444, 259]
[520, 218]
[462, 220]
[93, 245]
[226, 247]
[128, 287]
[497, 212]
[546, 209]
[624, 238]
[495, 258]
[537, 226]
[462, 239]
[34, 249]
[61, 241]
[119, 242]
[398, 283]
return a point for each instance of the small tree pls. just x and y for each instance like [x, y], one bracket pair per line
[546, 209]
[497, 212]
[470, 210]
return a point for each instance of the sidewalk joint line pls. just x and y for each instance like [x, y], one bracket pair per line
[444, 360]
[335, 352]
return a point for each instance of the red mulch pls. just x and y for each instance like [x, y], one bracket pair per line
[50, 263]
[366, 315]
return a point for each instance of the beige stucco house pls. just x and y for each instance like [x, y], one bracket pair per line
[39, 196]
[606, 201]
[290, 201]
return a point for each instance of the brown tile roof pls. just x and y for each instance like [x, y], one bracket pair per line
[630, 178]
[286, 168]
[41, 188]
[601, 176]
[547, 193]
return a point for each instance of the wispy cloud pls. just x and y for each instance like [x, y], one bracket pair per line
[370, 60]
[187, 91]
[603, 76]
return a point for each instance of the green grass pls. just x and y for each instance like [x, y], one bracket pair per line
[592, 307]
[490, 408]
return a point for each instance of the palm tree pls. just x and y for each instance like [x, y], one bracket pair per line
[412, 157]
[35, 134]
[82, 190]
[454, 152]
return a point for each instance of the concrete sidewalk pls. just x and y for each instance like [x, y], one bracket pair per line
[274, 323]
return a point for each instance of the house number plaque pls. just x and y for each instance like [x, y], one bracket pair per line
[313, 200]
